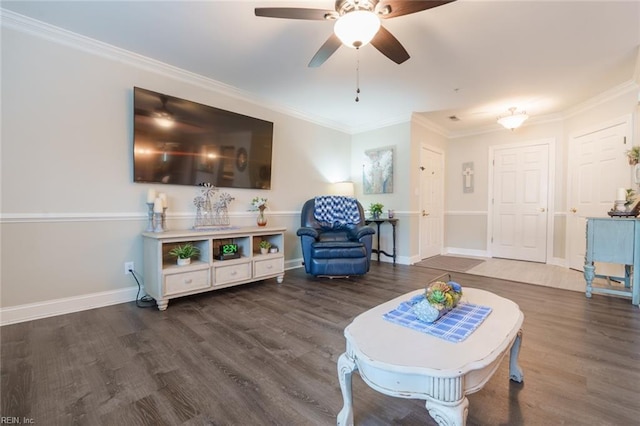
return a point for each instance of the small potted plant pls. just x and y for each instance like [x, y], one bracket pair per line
[184, 253]
[634, 155]
[376, 210]
[630, 197]
[264, 246]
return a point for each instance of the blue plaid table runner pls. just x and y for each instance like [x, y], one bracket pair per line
[455, 326]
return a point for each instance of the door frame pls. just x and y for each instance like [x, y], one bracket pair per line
[551, 142]
[425, 145]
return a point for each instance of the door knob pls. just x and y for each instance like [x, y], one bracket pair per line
[573, 210]
[424, 213]
[542, 209]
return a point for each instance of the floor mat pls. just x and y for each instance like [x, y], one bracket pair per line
[450, 263]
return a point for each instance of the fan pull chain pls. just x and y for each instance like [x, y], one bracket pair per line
[357, 74]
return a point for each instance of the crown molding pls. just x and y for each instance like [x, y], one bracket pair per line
[430, 125]
[621, 89]
[64, 37]
[379, 124]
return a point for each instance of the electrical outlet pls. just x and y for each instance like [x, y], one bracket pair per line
[128, 266]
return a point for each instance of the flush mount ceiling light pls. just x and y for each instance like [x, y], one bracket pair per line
[514, 119]
[357, 28]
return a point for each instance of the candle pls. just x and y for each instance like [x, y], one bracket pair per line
[622, 194]
[157, 205]
[151, 195]
[163, 198]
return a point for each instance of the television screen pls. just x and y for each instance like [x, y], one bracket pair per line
[185, 143]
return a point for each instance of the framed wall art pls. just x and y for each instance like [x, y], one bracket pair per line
[377, 171]
[467, 177]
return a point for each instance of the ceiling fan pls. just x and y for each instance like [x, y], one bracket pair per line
[357, 22]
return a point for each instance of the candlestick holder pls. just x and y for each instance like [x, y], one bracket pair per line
[157, 217]
[150, 227]
[164, 219]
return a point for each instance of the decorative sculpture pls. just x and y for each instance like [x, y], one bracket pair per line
[211, 210]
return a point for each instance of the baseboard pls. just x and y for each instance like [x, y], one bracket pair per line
[400, 260]
[293, 264]
[466, 252]
[558, 261]
[50, 308]
[69, 305]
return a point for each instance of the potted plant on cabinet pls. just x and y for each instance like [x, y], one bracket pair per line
[376, 210]
[633, 155]
[264, 246]
[184, 253]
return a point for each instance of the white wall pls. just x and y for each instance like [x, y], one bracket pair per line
[466, 213]
[407, 140]
[398, 137]
[71, 214]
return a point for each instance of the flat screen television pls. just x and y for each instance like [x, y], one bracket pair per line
[180, 142]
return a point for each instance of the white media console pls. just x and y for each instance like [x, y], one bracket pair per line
[164, 279]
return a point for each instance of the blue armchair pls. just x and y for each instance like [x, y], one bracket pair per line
[335, 240]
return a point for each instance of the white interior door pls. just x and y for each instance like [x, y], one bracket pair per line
[431, 202]
[597, 167]
[520, 202]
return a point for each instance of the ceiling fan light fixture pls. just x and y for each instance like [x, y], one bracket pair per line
[162, 116]
[513, 120]
[164, 120]
[356, 29]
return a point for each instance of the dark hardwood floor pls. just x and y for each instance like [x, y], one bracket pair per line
[265, 353]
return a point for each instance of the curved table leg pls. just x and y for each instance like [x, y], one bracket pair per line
[346, 367]
[515, 372]
[446, 414]
[589, 275]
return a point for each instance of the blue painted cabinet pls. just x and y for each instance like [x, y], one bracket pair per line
[614, 240]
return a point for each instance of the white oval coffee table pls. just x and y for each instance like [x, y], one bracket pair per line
[401, 362]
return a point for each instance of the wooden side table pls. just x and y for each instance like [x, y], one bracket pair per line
[379, 222]
[614, 240]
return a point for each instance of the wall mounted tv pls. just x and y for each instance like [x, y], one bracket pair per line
[185, 143]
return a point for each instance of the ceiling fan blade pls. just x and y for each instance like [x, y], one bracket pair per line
[389, 46]
[394, 8]
[327, 49]
[295, 13]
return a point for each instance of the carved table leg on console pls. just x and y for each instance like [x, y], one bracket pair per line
[346, 367]
[515, 372]
[448, 414]
[162, 304]
[589, 275]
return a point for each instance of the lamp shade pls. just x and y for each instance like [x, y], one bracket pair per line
[343, 188]
[357, 28]
[513, 120]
